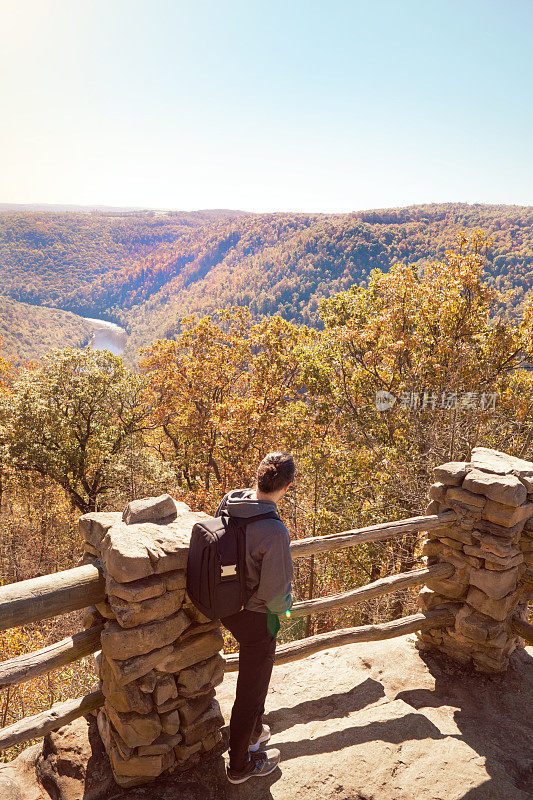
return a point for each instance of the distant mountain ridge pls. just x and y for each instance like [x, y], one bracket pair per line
[146, 269]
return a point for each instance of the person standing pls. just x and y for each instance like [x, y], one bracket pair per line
[269, 574]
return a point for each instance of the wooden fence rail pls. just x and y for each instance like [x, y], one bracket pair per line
[302, 648]
[62, 713]
[30, 665]
[373, 533]
[45, 597]
[50, 720]
[392, 583]
[523, 629]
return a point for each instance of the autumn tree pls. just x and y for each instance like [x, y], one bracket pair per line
[426, 341]
[428, 344]
[72, 419]
[218, 392]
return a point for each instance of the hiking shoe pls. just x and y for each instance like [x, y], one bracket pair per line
[264, 736]
[258, 765]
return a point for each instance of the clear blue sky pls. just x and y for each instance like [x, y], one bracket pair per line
[266, 105]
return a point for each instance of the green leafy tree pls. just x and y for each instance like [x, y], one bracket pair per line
[73, 419]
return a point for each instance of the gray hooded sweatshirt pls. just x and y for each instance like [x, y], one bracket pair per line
[269, 569]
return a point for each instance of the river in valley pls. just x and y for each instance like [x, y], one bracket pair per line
[107, 336]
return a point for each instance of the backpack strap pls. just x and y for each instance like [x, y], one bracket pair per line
[244, 521]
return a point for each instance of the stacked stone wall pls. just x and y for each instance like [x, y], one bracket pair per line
[160, 660]
[490, 545]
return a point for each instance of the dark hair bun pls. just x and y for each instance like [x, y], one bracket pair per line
[275, 472]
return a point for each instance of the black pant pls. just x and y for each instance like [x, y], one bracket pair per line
[256, 659]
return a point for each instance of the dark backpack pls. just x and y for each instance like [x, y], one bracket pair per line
[216, 564]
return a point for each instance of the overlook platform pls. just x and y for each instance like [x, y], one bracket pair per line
[370, 721]
[442, 713]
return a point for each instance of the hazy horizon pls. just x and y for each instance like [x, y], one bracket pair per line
[103, 207]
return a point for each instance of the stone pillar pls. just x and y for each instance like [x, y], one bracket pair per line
[160, 658]
[490, 544]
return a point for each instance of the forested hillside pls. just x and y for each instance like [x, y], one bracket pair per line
[74, 259]
[27, 331]
[145, 270]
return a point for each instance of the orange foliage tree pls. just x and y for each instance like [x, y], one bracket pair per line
[219, 393]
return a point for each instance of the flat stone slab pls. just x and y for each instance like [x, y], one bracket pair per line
[132, 552]
[170, 722]
[499, 530]
[504, 515]
[465, 537]
[146, 588]
[189, 652]
[121, 644]
[134, 729]
[506, 489]
[495, 584]
[452, 473]
[94, 525]
[124, 698]
[200, 678]
[163, 744]
[133, 668]
[500, 463]
[494, 544]
[192, 709]
[130, 615]
[473, 501]
[506, 562]
[497, 609]
[210, 721]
